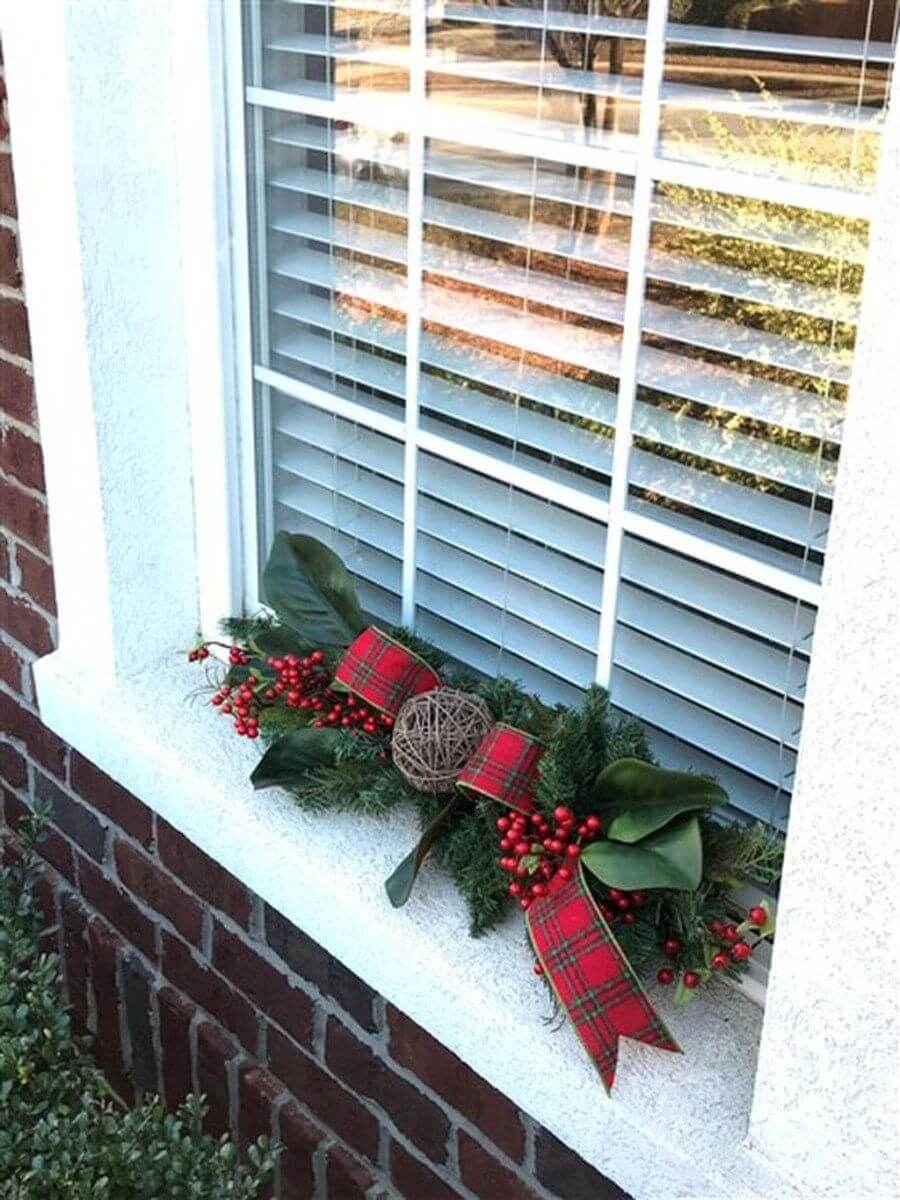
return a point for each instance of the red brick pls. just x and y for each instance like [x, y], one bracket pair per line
[24, 515]
[567, 1175]
[42, 745]
[20, 455]
[415, 1115]
[330, 976]
[36, 579]
[24, 624]
[300, 1139]
[329, 1101]
[14, 327]
[117, 906]
[175, 1015]
[13, 768]
[346, 1177]
[70, 815]
[10, 668]
[10, 275]
[203, 874]
[266, 987]
[16, 393]
[75, 959]
[148, 881]
[104, 948]
[487, 1109]
[113, 801]
[53, 847]
[486, 1176]
[413, 1179]
[7, 186]
[214, 1051]
[207, 989]
[257, 1093]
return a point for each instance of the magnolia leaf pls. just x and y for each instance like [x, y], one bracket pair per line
[400, 884]
[671, 858]
[293, 756]
[638, 798]
[311, 590]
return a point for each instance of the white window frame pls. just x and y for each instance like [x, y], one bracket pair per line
[138, 414]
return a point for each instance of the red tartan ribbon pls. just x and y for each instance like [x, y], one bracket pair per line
[581, 958]
[383, 672]
[503, 766]
[591, 976]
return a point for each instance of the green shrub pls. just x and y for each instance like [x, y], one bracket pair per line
[62, 1135]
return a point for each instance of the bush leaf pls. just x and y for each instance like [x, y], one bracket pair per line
[638, 798]
[311, 590]
[671, 858]
[293, 756]
[400, 883]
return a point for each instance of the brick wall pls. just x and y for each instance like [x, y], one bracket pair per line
[183, 978]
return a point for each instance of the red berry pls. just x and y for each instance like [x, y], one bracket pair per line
[316, 656]
[538, 969]
[556, 846]
[614, 893]
[623, 904]
[665, 975]
[522, 848]
[637, 899]
[561, 813]
[729, 933]
[539, 889]
[503, 823]
[564, 873]
[593, 823]
[573, 851]
[740, 951]
[515, 889]
[719, 960]
[690, 979]
[628, 918]
[671, 946]
[715, 927]
[758, 915]
[582, 831]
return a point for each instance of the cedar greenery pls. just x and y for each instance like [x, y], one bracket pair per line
[62, 1135]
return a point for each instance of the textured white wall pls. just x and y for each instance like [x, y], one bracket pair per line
[826, 1103]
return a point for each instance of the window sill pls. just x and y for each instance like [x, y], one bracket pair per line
[675, 1125]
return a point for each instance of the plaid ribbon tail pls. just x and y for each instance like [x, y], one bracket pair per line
[592, 978]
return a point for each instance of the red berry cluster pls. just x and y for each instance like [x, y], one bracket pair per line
[301, 683]
[243, 704]
[735, 948]
[551, 849]
[620, 906]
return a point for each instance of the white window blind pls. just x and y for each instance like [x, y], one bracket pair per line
[554, 307]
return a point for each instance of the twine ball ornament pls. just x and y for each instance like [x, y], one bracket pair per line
[434, 736]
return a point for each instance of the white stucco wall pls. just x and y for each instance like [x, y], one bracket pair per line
[826, 1108]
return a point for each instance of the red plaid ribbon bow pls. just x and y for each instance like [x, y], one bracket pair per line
[584, 963]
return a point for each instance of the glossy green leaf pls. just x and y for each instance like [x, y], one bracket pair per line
[311, 590]
[400, 884]
[671, 858]
[638, 798]
[293, 756]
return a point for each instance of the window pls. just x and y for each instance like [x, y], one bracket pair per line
[554, 307]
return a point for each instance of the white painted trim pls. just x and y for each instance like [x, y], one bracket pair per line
[641, 220]
[415, 203]
[198, 74]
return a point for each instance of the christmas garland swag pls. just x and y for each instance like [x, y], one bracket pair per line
[612, 858]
